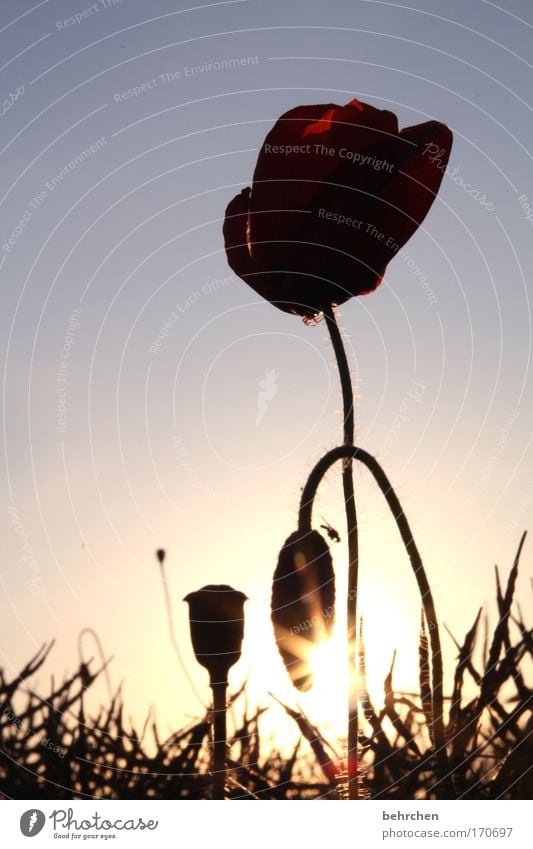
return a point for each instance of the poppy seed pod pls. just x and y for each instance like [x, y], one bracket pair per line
[216, 617]
[337, 191]
[303, 602]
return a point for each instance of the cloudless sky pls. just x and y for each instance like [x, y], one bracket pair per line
[118, 439]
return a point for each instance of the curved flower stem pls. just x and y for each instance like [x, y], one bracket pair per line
[304, 523]
[353, 546]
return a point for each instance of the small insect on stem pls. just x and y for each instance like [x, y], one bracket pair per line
[333, 535]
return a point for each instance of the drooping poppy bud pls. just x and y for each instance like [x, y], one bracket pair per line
[303, 602]
[216, 617]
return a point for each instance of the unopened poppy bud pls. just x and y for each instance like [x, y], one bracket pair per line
[216, 617]
[303, 602]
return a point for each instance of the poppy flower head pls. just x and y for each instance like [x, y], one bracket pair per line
[337, 191]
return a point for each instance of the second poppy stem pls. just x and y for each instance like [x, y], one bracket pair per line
[219, 689]
[353, 548]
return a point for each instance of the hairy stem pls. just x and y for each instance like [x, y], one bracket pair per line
[353, 546]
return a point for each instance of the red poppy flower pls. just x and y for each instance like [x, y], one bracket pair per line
[337, 191]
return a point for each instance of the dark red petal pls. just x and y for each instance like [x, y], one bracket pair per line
[235, 227]
[412, 192]
[350, 254]
[285, 184]
[327, 125]
[389, 207]
[338, 122]
[234, 230]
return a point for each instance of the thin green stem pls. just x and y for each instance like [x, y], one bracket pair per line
[353, 548]
[305, 517]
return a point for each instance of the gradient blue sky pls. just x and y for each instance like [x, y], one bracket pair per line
[162, 449]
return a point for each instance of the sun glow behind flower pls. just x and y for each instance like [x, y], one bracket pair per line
[326, 701]
[389, 605]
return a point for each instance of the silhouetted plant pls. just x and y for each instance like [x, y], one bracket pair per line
[312, 232]
[52, 747]
[216, 617]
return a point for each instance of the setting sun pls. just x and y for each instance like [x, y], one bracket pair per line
[326, 701]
